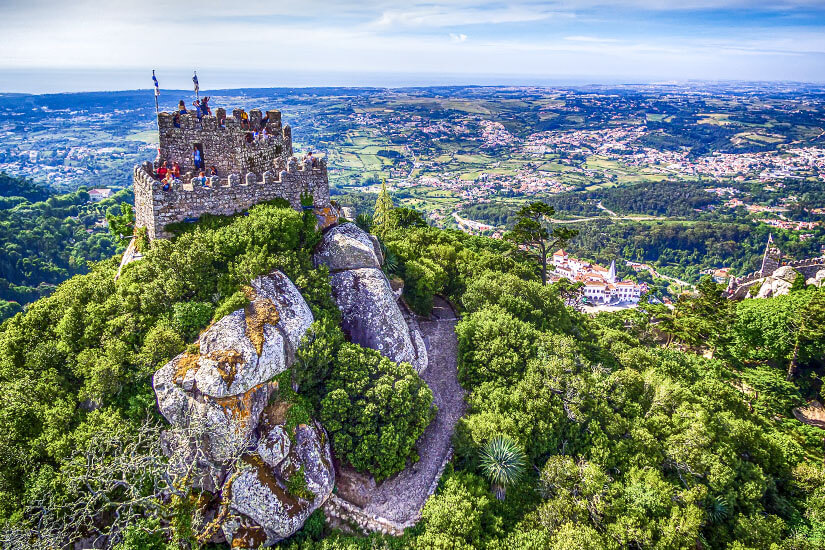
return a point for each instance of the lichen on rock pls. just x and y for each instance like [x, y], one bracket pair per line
[259, 313]
[261, 492]
[226, 389]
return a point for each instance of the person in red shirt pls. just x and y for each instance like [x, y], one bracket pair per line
[163, 170]
[176, 170]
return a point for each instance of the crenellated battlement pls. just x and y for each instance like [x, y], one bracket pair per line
[739, 286]
[156, 208]
[250, 169]
[228, 143]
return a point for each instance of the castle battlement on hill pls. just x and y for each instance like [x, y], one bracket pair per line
[739, 287]
[250, 169]
[224, 141]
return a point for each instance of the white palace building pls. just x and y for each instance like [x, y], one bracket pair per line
[600, 284]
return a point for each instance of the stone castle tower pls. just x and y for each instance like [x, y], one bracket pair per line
[253, 159]
[772, 258]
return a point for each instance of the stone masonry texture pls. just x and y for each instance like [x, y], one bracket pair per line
[248, 173]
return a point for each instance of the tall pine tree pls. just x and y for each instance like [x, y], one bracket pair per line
[383, 220]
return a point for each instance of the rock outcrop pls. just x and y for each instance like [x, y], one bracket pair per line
[371, 317]
[260, 493]
[225, 394]
[347, 246]
[817, 280]
[778, 283]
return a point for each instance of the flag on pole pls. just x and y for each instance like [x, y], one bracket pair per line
[157, 88]
[195, 81]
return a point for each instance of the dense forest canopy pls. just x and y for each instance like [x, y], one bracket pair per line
[649, 428]
[45, 239]
[680, 247]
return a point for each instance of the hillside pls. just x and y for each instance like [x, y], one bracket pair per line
[45, 239]
[629, 435]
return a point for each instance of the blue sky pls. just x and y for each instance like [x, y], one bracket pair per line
[113, 44]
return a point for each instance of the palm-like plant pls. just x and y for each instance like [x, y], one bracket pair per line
[503, 462]
[718, 509]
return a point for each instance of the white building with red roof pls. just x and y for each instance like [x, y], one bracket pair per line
[600, 285]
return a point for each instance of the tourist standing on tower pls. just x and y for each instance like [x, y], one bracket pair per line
[196, 155]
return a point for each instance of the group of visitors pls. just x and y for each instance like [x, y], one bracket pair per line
[201, 110]
[204, 176]
[246, 125]
[263, 135]
[310, 160]
[168, 175]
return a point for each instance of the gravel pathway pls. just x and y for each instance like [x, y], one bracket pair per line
[401, 497]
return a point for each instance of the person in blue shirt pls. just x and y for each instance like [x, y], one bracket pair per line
[198, 110]
[196, 155]
[182, 108]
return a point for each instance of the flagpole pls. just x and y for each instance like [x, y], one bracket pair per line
[157, 108]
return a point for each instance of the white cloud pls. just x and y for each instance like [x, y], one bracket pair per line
[274, 37]
[450, 15]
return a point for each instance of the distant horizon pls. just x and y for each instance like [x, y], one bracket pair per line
[379, 42]
[57, 81]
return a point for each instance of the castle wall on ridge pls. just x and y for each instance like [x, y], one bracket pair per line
[224, 141]
[156, 208]
[250, 170]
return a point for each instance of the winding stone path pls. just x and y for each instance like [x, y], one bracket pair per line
[401, 498]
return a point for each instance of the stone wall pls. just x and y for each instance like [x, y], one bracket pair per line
[343, 513]
[224, 142]
[156, 208]
[740, 286]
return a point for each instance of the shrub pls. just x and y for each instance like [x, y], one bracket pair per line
[189, 318]
[375, 411]
[296, 484]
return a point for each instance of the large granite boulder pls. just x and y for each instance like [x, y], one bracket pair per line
[778, 283]
[370, 314]
[224, 395]
[225, 386]
[261, 492]
[347, 246]
[818, 279]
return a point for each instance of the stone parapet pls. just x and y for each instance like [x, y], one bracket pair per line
[233, 193]
[739, 286]
[224, 141]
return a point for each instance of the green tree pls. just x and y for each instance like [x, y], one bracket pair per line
[383, 220]
[406, 218]
[783, 331]
[375, 410]
[123, 224]
[798, 283]
[704, 320]
[808, 327]
[459, 516]
[530, 231]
